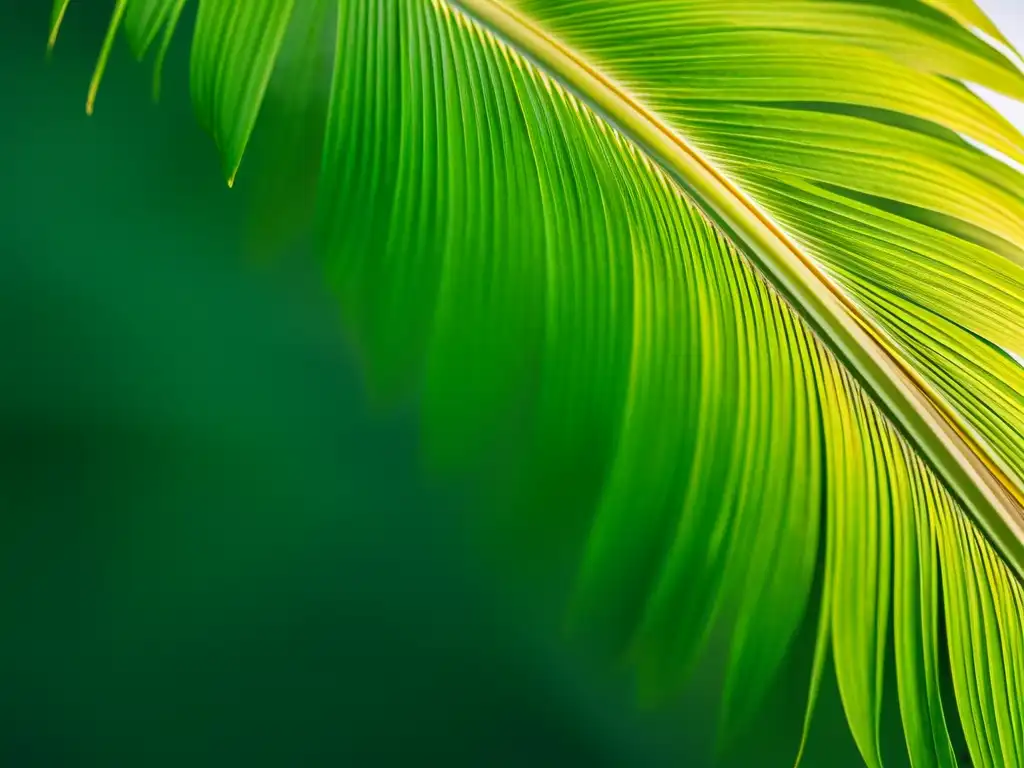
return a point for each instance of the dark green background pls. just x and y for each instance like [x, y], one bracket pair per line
[212, 552]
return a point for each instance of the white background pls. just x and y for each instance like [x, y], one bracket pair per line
[1009, 17]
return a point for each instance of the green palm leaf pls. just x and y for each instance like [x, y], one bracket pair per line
[734, 278]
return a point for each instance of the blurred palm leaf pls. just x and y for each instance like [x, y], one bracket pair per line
[732, 282]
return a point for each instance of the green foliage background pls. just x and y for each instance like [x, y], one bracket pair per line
[212, 552]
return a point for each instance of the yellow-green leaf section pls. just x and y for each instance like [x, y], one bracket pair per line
[731, 277]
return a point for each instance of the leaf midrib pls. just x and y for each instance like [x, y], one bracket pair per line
[971, 471]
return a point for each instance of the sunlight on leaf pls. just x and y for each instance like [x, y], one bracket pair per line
[736, 289]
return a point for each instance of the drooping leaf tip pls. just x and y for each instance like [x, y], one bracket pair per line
[56, 20]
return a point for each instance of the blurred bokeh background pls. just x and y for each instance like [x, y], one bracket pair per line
[213, 550]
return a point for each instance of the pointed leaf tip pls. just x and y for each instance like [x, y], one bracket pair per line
[229, 83]
[60, 7]
[101, 63]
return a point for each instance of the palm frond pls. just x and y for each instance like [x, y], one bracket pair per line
[735, 268]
